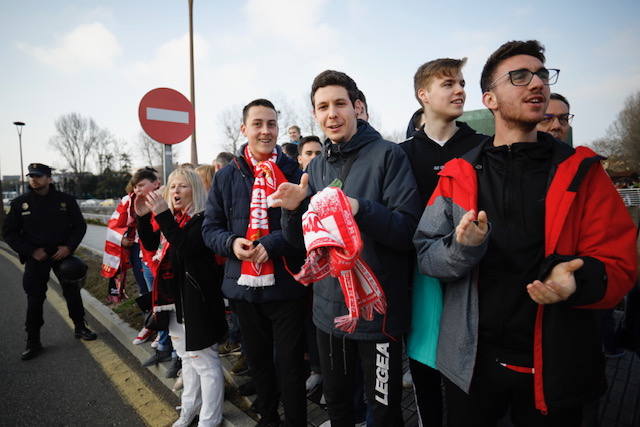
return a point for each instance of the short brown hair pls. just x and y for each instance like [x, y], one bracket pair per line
[335, 78]
[506, 51]
[441, 67]
[260, 102]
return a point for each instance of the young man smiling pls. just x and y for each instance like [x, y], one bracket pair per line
[439, 88]
[518, 329]
[384, 204]
[269, 303]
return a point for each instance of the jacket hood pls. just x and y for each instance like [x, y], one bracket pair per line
[464, 131]
[412, 129]
[364, 135]
[560, 150]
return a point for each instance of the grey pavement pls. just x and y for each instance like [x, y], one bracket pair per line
[62, 386]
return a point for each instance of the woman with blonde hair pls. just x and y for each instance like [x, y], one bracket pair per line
[188, 286]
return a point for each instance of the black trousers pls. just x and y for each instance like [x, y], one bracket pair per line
[428, 389]
[279, 324]
[382, 371]
[34, 282]
[495, 390]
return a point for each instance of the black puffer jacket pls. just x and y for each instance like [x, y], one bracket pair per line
[381, 180]
[195, 285]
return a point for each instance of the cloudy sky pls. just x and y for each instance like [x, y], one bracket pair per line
[98, 58]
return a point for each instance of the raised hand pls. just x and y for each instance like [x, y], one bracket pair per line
[140, 206]
[471, 232]
[290, 195]
[558, 286]
[155, 202]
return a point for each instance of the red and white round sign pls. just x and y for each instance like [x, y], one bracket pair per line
[166, 115]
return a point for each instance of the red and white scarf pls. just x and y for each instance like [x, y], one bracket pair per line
[267, 178]
[333, 243]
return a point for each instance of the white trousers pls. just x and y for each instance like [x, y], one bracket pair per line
[202, 378]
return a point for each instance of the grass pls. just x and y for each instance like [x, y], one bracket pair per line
[98, 286]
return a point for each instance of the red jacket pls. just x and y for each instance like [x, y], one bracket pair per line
[584, 217]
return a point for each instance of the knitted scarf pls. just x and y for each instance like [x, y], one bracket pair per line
[267, 178]
[163, 270]
[333, 243]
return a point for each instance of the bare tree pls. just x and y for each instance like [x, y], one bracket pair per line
[150, 150]
[105, 151]
[622, 143]
[76, 139]
[231, 119]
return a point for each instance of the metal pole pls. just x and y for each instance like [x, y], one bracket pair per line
[19, 128]
[194, 147]
[167, 163]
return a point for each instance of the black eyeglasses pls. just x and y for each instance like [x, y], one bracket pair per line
[523, 77]
[564, 119]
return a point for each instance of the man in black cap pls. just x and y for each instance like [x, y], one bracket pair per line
[45, 226]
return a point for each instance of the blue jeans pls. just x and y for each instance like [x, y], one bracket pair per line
[136, 266]
[164, 340]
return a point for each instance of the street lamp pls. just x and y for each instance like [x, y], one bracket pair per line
[19, 128]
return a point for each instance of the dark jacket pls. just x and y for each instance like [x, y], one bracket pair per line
[227, 218]
[381, 180]
[427, 157]
[414, 123]
[47, 222]
[195, 285]
[584, 218]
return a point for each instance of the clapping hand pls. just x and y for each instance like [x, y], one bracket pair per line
[470, 232]
[155, 202]
[559, 285]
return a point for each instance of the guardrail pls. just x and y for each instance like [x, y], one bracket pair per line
[630, 196]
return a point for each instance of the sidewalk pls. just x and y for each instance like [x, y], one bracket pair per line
[619, 407]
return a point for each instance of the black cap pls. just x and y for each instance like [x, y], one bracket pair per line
[38, 169]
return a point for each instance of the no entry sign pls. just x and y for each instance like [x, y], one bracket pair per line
[166, 115]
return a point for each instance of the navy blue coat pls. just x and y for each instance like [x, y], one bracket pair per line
[227, 218]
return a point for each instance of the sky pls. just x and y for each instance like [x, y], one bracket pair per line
[99, 58]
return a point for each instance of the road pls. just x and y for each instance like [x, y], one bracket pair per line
[72, 382]
[94, 238]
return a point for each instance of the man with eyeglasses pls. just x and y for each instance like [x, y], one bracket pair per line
[557, 119]
[518, 330]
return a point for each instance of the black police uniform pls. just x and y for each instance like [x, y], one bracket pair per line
[37, 221]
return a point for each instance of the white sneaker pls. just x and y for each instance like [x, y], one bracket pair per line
[142, 336]
[178, 384]
[325, 424]
[186, 418]
[407, 380]
[155, 342]
[313, 381]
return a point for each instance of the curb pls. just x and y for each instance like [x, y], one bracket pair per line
[121, 331]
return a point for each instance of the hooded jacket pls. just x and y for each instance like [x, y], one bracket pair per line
[380, 178]
[585, 218]
[227, 218]
[427, 157]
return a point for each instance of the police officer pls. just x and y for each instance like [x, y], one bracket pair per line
[45, 226]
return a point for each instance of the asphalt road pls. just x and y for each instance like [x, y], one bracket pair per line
[95, 236]
[65, 385]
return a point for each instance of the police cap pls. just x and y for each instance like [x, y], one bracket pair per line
[38, 169]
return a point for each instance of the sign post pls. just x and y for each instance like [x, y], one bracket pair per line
[167, 117]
